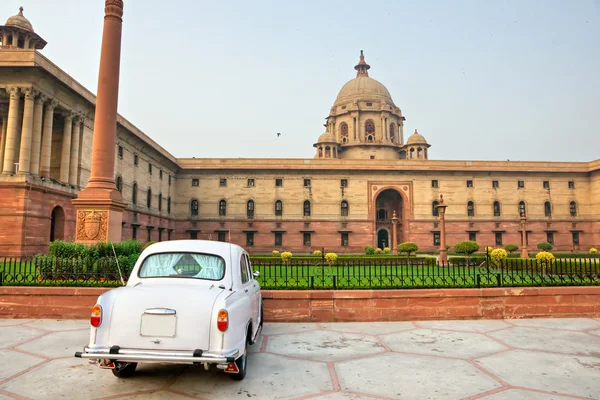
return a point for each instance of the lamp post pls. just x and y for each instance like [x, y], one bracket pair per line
[394, 233]
[524, 252]
[441, 212]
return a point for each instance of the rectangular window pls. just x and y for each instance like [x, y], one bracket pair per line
[135, 159]
[195, 182]
[169, 180]
[193, 235]
[550, 237]
[149, 234]
[436, 238]
[223, 182]
[521, 184]
[160, 174]
[344, 240]
[134, 232]
[150, 168]
[469, 183]
[250, 182]
[344, 183]
[306, 238]
[498, 238]
[160, 235]
[571, 184]
[249, 239]
[278, 182]
[473, 236]
[372, 157]
[575, 238]
[495, 184]
[221, 236]
[527, 238]
[278, 239]
[120, 152]
[306, 182]
[546, 184]
[169, 234]
[369, 104]
[434, 183]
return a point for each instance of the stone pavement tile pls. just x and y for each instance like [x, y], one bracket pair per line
[268, 377]
[474, 325]
[343, 396]
[560, 373]
[324, 345]
[13, 335]
[58, 344]
[596, 332]
[60, 325]
[75, 379]
[14, 362]
[516, 394]
[416, 377]
[442, 343]
[12, 322]
[3, 397]
[276, 328]
[161, 395]
[371, 328]
[575, 324]
[544, 339]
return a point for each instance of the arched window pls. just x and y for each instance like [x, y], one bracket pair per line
[434, 208]
[419, 152]
[392, 132]
[250, 208]
[573, 209]
[522, 209]
[471, 209]
[496, 209]
[119, 183]
[169, 205]
[327, 152]
[547, 209]
[412, 153]
[194, 207]
[344, 208]
[344, 132]
[320, 152]
[279, 208]
[306, 208]
[381, 214]
[222, 208]
[149, 198]
[369, 131]
[134, 193]
[160, 202]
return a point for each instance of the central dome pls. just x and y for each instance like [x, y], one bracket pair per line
[363, 87]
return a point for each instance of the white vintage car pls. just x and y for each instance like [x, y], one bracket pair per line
[186, 301]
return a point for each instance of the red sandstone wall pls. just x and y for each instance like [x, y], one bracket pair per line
[350, 305]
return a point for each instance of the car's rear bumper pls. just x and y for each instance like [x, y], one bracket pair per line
[136, 355]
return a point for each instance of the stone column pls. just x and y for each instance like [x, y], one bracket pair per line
[394, 245]
[12, 131]
[65, 157]
[524, 252]
[36, 140]
[26, 132]
[15, 39]
[442, 213]
[3, 136]
[100, 205]
[47, 138]
[74, 163]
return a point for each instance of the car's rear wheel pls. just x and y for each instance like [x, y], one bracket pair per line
[241, 364]
[124, 369]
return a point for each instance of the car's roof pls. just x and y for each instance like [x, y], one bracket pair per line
[222, 249]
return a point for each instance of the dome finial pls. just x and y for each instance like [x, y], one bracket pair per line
[21, 11]
[362, 67]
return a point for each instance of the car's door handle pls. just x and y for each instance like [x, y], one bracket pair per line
[246, 290]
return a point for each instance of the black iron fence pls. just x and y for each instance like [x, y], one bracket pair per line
[393, 273]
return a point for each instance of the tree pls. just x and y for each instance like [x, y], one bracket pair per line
[545, 246]
[511, 248]
[466, 248]
[407, 247]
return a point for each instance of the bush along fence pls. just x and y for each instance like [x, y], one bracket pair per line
[326, 272]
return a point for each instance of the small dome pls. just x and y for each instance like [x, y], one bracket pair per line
[416, 138]
[327, 137]
[19, 21]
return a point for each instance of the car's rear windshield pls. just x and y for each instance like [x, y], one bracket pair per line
[183, 265]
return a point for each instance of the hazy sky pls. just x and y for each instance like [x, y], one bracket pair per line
[490, 80]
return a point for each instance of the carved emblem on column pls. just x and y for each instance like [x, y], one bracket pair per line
[114, 8]
[92, 225]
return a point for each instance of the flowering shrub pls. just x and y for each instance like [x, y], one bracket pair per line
[544, 258]
[378, 251]
[594, 250]
[369, 250]
[275, 253]
[498, 255]
[286, 256]
[317, 253]
[331, 258]
[489, 249]
[386, 250]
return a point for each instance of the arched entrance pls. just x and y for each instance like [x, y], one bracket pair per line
[388, 203]
[383, 239]
[57, 224]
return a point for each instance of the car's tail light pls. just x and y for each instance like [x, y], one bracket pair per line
[222, 320]
[96, 316]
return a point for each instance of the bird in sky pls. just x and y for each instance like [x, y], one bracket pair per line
[278, 134]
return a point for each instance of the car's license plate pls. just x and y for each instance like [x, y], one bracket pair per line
[158, 325]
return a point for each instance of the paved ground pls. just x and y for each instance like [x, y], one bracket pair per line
[493, 360]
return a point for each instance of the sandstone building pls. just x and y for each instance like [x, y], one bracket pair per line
[367, 174]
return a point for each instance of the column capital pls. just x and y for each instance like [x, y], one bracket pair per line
[29, 93]
[114, 8]
[68, 114]
[50, 104]
[41, 99]
[14, 92]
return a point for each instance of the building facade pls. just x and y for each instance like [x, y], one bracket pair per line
[364, 179]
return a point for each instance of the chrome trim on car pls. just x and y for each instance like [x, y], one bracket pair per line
[160, 311]
[135, 355]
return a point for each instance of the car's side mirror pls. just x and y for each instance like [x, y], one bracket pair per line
[256, 274]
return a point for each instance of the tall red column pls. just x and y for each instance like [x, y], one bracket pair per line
[100, 205]
[442, 213]
[524, 252]
[394, 245]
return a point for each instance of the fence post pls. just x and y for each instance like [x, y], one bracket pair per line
[334, 282]
[312, 282]
[323, 256]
